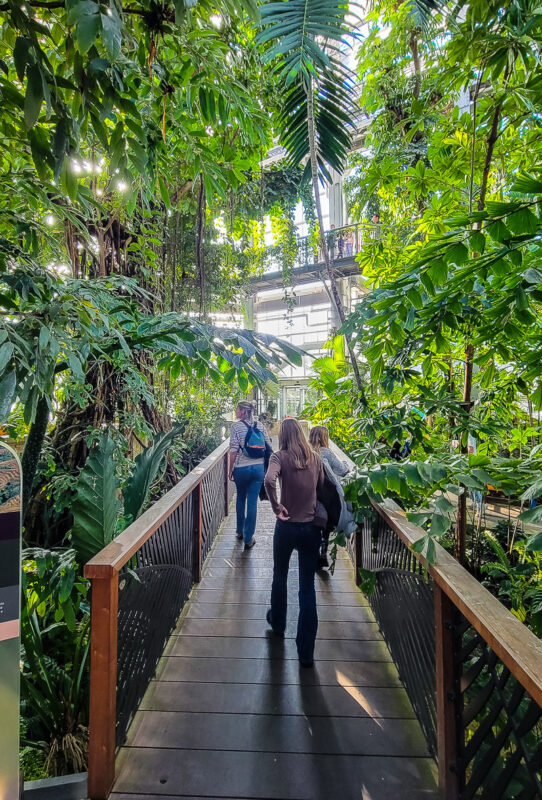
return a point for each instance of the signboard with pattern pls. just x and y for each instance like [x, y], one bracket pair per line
[10, 589]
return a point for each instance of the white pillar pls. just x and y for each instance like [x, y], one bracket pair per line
[337, 207]
[248, 310]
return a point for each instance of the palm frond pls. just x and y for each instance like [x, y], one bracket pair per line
[334, 112]
[422, 10]
[308, 38]
[296, 26]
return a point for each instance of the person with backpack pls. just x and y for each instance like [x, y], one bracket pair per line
[334, 469]
[301, 475]
[249, 442]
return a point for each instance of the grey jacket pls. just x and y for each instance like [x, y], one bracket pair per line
[347, 523]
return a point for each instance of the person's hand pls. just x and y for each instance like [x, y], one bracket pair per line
[230, 475]
[282, 513]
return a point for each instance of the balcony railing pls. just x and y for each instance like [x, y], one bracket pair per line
[343, 243]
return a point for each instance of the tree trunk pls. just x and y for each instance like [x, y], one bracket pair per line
[461, 527]
[323, 243]
[416, 63]
[491, 141]
[32, 450]
[173, 305]
[200, 255]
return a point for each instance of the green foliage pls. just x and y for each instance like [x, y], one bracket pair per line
[516, 577]
[54, 661]
[65, 325]
[145, 471]
[95, 504]
[448, 335]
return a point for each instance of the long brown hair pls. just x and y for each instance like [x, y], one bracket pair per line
[319, 437]
[292, 438]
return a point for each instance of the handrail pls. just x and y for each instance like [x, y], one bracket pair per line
[512, 641]
[150, 567]
[308, 253]
[517, 646]
[485, 664]
[117, 553]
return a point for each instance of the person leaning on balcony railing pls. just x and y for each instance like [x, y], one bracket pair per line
[349, 243]
[331, 242]
[340, 245]
[375, 232]
[300, 471]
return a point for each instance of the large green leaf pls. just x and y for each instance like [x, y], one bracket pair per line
[295, 26]
[96, 505]
[8, 385]
[34, 95]
[533, 515]
[146, 468]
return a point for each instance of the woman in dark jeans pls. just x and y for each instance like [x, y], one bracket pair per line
[300, 472]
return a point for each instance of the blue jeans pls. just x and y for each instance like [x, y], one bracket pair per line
[306, 539]
[248, 482]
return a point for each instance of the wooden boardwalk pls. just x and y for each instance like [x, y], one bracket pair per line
[231, 714]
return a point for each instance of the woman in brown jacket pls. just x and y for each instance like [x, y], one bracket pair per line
[300, 473]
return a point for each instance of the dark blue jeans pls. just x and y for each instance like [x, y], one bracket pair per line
[248, 482]
[305, 538]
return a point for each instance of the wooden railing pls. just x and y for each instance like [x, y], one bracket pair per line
[472, 670]
[140, 582]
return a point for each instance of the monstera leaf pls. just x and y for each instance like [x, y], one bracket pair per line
[146, 468]
[96, 505]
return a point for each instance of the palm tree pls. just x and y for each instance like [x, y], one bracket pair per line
[306, 37]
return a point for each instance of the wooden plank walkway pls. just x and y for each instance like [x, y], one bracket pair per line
[231, 714]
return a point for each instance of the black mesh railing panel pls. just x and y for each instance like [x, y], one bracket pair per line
[403, 606]
[499, 726]
[153, 589]
[500, 743]
[212, 505]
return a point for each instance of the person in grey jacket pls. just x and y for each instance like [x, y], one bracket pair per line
[335, 469]
[319, 441]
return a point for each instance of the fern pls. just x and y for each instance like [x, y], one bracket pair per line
[495, 566]
[498, 549]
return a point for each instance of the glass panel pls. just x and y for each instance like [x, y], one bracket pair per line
[294, 400]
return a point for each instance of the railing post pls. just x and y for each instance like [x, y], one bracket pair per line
[103, 682]
[358, 554]
[226, 483]
[197, 536]
[446, 696]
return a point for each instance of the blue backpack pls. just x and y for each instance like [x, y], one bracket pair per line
[254, 446]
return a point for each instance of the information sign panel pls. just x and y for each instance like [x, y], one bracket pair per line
[10, 591]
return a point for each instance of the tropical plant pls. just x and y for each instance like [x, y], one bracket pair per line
[54, 660]
[95, 504]
[516, 577]
[145, 470]
[450, 331]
